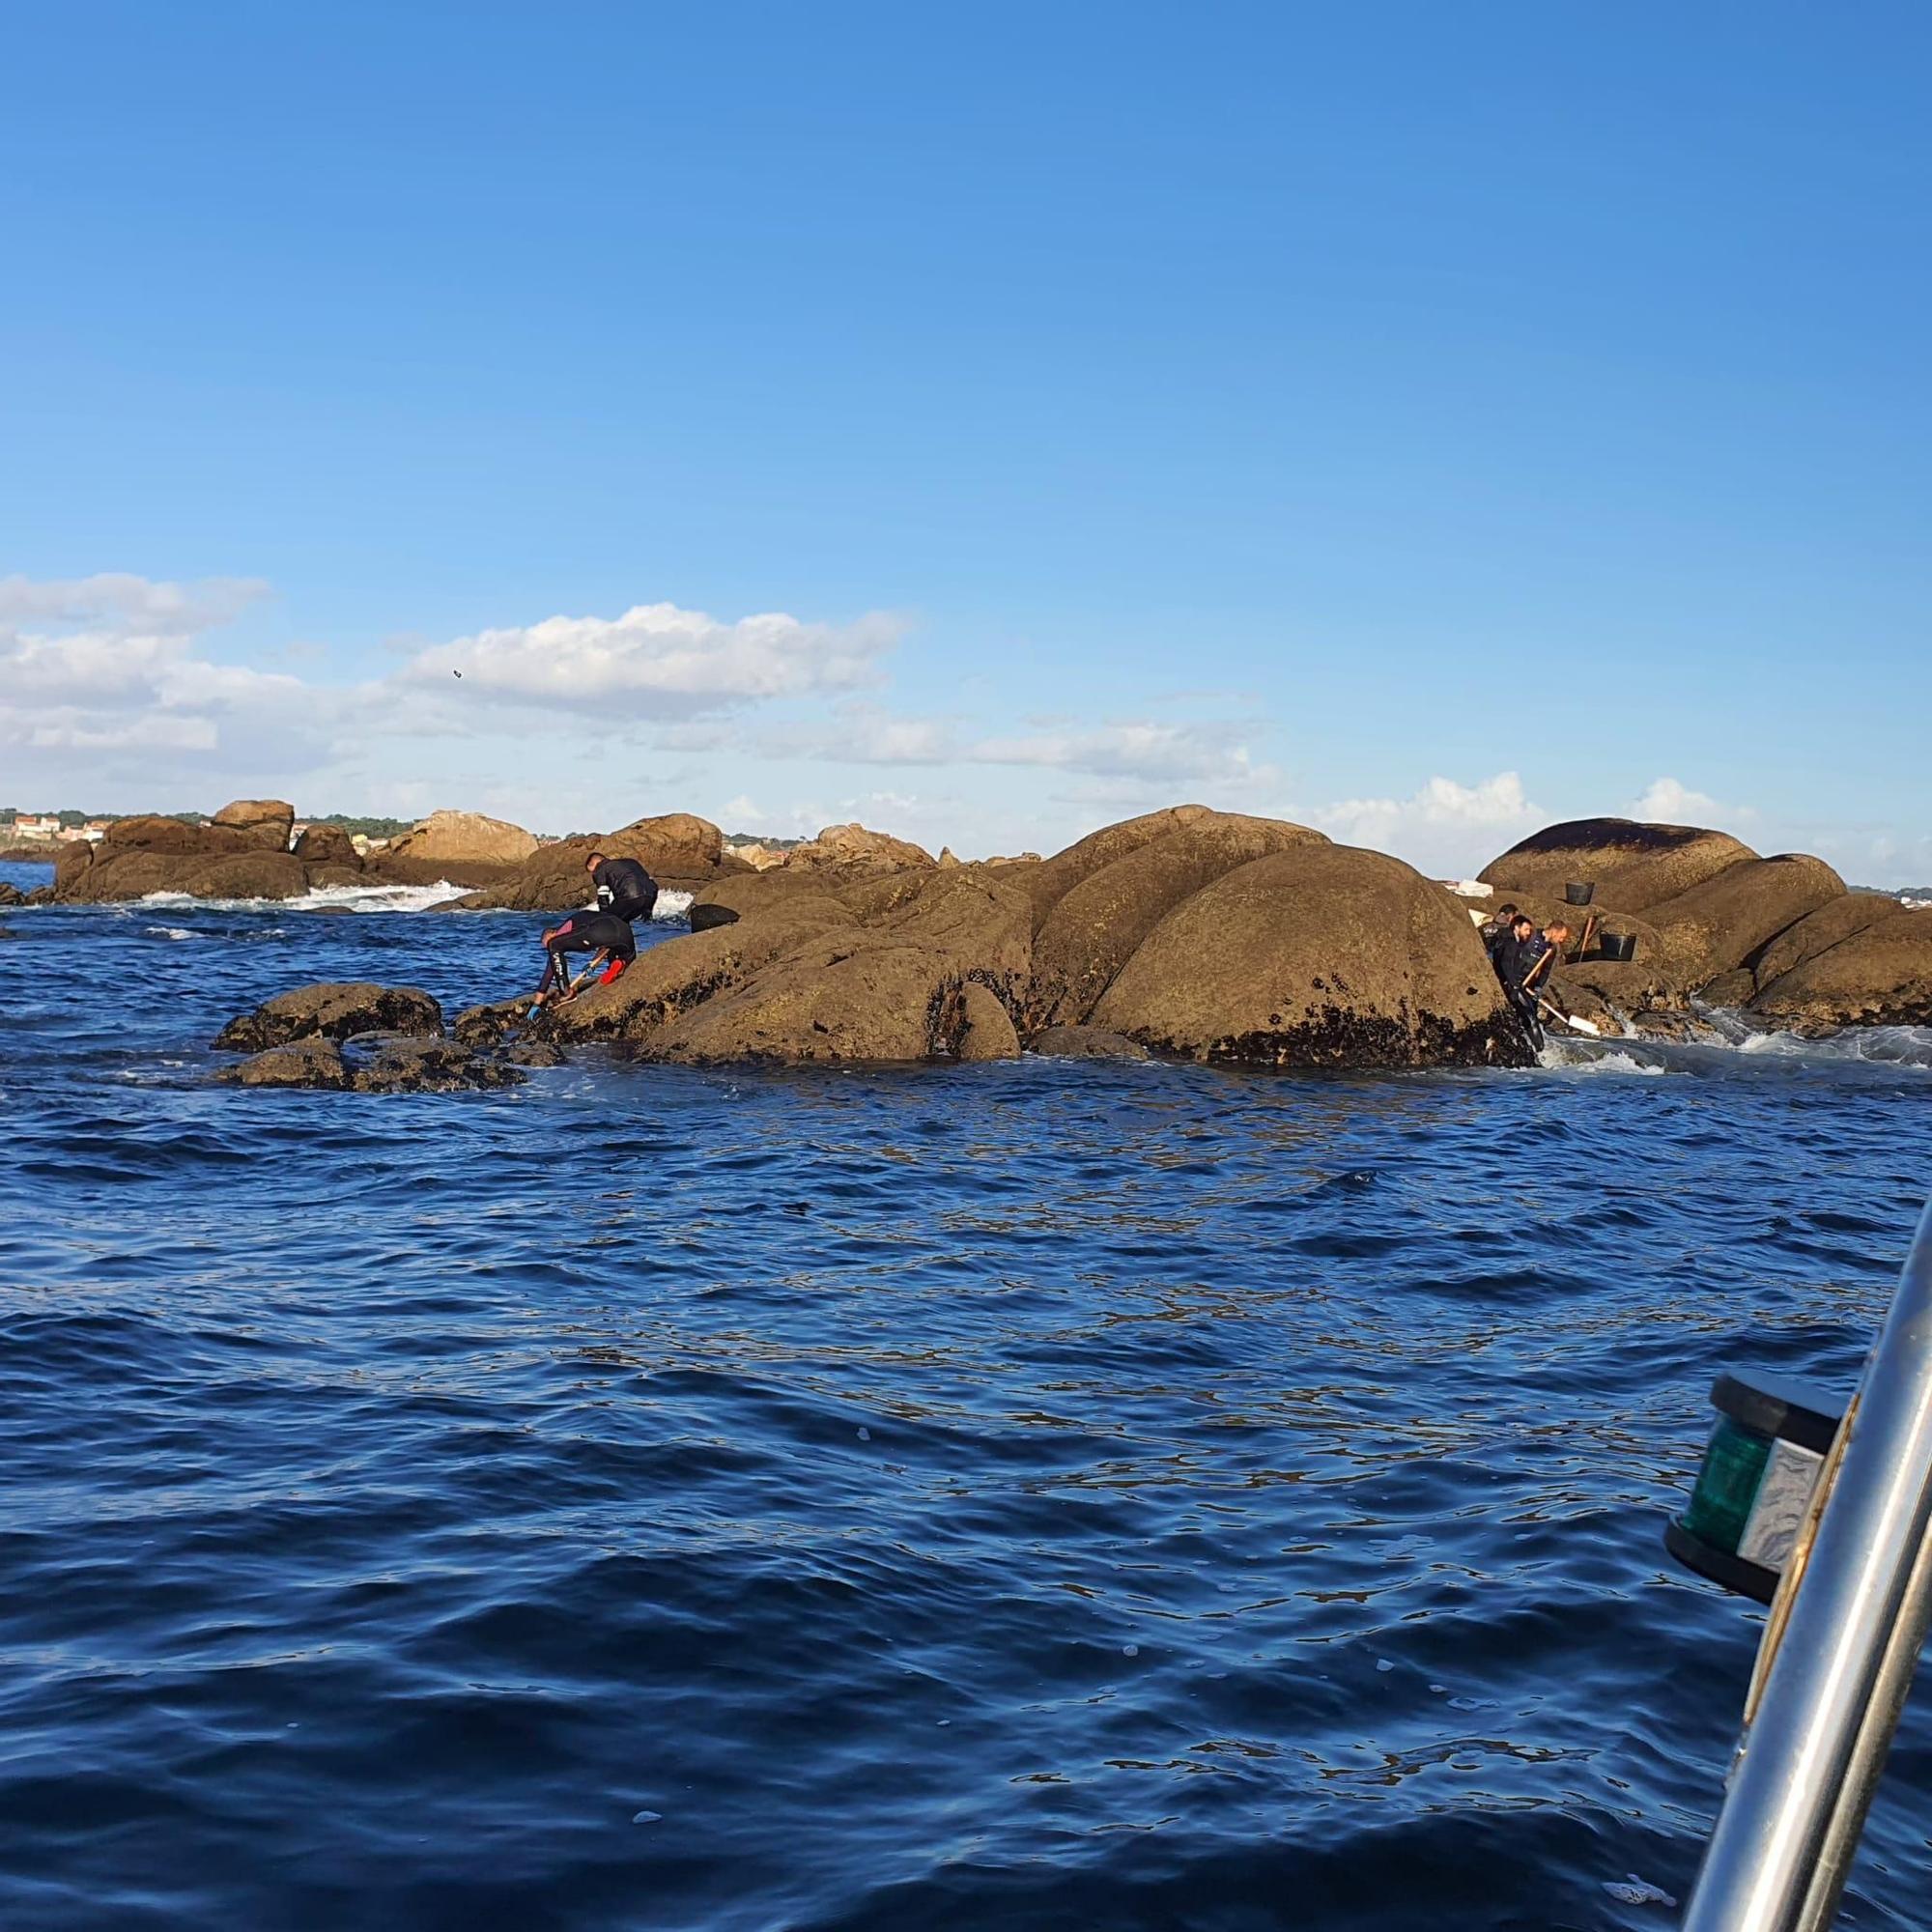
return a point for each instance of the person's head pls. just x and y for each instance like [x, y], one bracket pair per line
[591, 864]
[1557, 933]
[1522, 925]
[1506, 915]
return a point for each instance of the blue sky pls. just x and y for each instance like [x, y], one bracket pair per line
[1423, 421]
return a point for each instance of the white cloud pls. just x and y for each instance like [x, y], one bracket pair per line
[1170, 754]
[659, 660]
[1444, 826]
[1668, 802]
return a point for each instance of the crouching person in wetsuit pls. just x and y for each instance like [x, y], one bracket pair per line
[608, 940]
[624, 889]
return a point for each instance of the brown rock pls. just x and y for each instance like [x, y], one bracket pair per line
[430, 1067]
[1322, 956]
[327, 845]
[1633, 864]
[978, 1027]
[1084, 1043]
[261, 874]
[1879, 976]
[667, 980]
[1721, 924]
[332, 1011]
[672, 849]
[1730, 989]
[156, 834]
[876, 993]
[266, 822]
[307, 1062]
[466, 838]
[1050, 881]
[1817, 932]
[853, 845]
[1093, 929]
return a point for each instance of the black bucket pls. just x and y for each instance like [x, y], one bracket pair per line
[1578, 895]
[1617, 944]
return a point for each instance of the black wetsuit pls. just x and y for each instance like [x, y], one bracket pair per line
[588, 932]
[1513, 958]
[624, 889]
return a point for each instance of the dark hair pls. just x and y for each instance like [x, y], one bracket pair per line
[592, 857]
[1521, 918]
[1506, 914]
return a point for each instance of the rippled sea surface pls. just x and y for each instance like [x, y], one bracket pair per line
[1039, 1496]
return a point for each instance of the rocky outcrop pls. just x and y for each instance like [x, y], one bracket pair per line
[1050, 881]
[677, 850]
[855, 847]
[334, 1011]
[266, 822]
[1322, 956]
[1833, 923]
[10, 895]
[395, 1066]
[466, 838]
[327, 845]
[1879, 975]
[1632, 865]
[1723, 922]
[1096, 926]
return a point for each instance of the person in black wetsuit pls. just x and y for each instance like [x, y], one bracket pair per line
[1515, 952]
[624, 889]
[607, 938]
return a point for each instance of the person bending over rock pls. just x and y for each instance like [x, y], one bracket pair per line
[1537, 957]
[624, 889]
[608, 939]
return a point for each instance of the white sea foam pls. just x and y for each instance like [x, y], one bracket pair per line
[1566, 1057]
[671, 905]
[344, 898]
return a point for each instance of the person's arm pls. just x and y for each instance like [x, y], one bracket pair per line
[1537, 970]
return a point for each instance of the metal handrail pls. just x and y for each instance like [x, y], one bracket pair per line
[1846, 1648]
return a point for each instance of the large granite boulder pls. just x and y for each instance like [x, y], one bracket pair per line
[1721, 922]
[466, 838]
[266, 822]
[260, 875]
[882, 991]
[333, 1010]
[677, 850]
[327, 845]
[1879, 975]
[155, 832]
[1835, 922]
[1052, 879]
[1633, 864]
[667, 980]
[1093, 929]
[854, 845]
[1322, 956]
[977, 1026]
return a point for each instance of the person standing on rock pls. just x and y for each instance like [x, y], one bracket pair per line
[624, 889]
[1537, 960]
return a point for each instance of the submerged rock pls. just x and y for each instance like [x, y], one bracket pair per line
[332, 1011]
[430, 1067]
[307, 1062]
[1084, 1043]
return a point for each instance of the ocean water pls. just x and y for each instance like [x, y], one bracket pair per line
[1034, 1496]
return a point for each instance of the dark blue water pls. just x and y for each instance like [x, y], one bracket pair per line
[1023, 1496]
